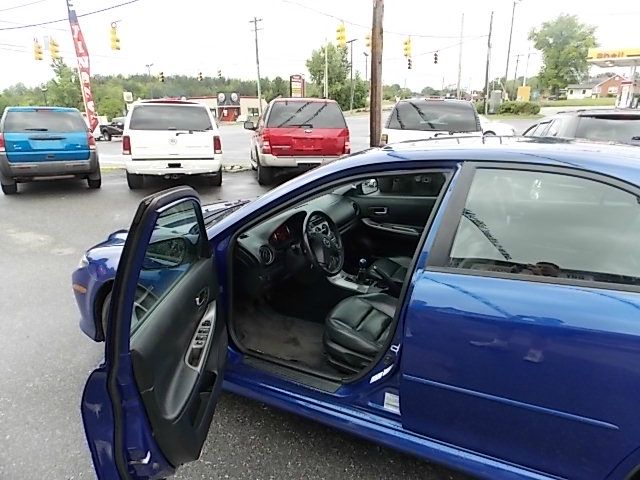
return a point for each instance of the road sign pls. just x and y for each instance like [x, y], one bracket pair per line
[296, 86]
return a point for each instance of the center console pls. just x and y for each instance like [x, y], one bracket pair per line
[361, 283]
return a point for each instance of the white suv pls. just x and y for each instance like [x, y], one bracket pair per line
[171, 138]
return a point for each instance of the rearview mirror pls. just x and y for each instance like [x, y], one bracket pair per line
[248, 125]
[168, 253]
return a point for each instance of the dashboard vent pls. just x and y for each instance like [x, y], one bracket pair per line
[266, 255]
[356, 208]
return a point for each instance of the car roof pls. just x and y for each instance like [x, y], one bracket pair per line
[303, 99]
[616, 160]
[434, 100]
[34, 108]
[601, 111]
[168, 102]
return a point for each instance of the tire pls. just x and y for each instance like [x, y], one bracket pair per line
[104, 314]
[135, 181]
[215, 181]
[107, 136]
[265, 175]
[10, 189]
[94, 183]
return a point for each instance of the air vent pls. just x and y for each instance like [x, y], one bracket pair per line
[266, 255]
[356, 208]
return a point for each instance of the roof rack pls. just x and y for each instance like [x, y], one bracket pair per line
[481, 140]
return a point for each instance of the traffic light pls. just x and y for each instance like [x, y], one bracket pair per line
[115, 40]
[37, 50]
[409, 63]
[341, 35]
[219, 73]
[54, 49]
[407, 47]
[161, 76]
[435, 57]
[200, 77]
[367, 40]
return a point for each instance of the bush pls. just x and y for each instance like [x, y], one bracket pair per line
[519, 108]
[480, 107]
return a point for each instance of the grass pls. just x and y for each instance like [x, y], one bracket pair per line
[586, 102]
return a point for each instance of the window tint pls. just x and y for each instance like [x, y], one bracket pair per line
[312, 114]
[172, 251]
[420, 185]
[549, 224]
[612, 128]
[44, 121]
[433, 116]
[169, 117]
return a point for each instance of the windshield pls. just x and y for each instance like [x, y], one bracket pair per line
[433, 116]
[170, 117]
[44, 121]
[310, 114]
[611, 128]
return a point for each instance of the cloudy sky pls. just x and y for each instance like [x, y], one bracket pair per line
[189, 36]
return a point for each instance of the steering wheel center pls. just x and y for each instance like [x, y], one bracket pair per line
[323, 243]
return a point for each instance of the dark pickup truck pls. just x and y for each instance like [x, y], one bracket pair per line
[113, 129]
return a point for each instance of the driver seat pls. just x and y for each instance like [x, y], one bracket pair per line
[357, 329]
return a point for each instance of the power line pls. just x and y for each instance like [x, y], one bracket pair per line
[66, 19]
[21, 6]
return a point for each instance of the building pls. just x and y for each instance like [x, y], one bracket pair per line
[229, 107]
[598, 88]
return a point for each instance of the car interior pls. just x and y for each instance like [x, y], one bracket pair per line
[316, 286]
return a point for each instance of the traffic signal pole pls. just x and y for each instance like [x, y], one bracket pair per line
[375, 99]
[350, 42]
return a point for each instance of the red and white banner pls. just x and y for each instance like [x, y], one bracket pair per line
[84, 69]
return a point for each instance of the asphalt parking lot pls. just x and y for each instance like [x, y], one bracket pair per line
[45, 359]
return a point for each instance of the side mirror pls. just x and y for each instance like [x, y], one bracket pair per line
[249, 125]
[369, 186]
[164, 254]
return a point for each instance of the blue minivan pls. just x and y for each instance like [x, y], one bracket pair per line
[46, 143]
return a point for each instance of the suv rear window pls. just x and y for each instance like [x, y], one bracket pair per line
[433, 116]
[312, 114]
[169, 117]
[610, 128]
[44, 121]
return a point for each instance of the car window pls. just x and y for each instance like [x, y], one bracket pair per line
[536, 130]
[314, 114]
[431, 116]
[172, 251]
[611, 128]
[552, 130]
[169, 117]
[549, 224]
[420, 185]
[43, 120]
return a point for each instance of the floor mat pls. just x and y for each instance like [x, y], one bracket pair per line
[288, 338]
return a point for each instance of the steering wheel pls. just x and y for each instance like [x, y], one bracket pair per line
[323, 243]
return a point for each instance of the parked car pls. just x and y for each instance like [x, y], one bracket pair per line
[422, 118]
[604, 125]
[112, 129]
[171, 139]
[46, 143]
[297, 133]
[500, 129]
[475, 305]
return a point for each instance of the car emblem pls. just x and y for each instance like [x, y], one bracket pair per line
[307, 130]
[326, 242]
[173, 141]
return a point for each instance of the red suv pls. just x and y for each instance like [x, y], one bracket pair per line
[297, 133]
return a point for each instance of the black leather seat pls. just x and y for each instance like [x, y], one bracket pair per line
[356, 330]
[395, 267]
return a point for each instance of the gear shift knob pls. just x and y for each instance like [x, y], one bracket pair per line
[362, 263]
[362, 271]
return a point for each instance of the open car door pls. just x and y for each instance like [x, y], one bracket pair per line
[147, 409]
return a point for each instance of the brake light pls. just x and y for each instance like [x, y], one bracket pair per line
[347, 146]
[91, 141]
[1, 143]
[266, 145]
[217, 145]
[126, 145]
[384, 138]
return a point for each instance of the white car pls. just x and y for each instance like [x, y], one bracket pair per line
[424, 118]
[170, 139]
[499, 129]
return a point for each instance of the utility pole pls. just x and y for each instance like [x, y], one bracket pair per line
[350, 42]
[458, 92]
[515, 77]
[326, 68]
[255, 32]
[486, 73]
[366, 66]
[526, 69]
[375, 99]
[506, 73]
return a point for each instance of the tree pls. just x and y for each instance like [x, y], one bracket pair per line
[564, 43]
[64, 89]
[338, 69]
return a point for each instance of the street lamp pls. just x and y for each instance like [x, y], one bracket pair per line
[366, 66]
[513, 14]
[149, 65]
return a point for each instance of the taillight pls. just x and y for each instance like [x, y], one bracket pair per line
[265, 144]
[91, 141]
[126, 145]
[217, 145]
[1, 143]
[384, 138]
[347, 147]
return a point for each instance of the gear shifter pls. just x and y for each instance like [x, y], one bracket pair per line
[361, 277]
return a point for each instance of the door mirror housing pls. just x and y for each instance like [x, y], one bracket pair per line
[249, 125]
[167, 253]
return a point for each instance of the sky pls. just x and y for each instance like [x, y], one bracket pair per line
[192, 36]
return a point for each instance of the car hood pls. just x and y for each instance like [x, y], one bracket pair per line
[114, 243]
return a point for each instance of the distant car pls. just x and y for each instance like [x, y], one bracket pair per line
[171, 139]
[476, 305]
[604, 125]
[500, 129]
[421, 118]
[41, 142]
[112, 129]
[297, 133]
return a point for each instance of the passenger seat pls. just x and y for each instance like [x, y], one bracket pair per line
[395, 267]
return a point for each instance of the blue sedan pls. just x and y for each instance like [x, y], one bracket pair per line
[475, 305]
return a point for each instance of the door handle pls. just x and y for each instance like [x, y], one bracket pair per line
[202, 297]
[379, 210]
